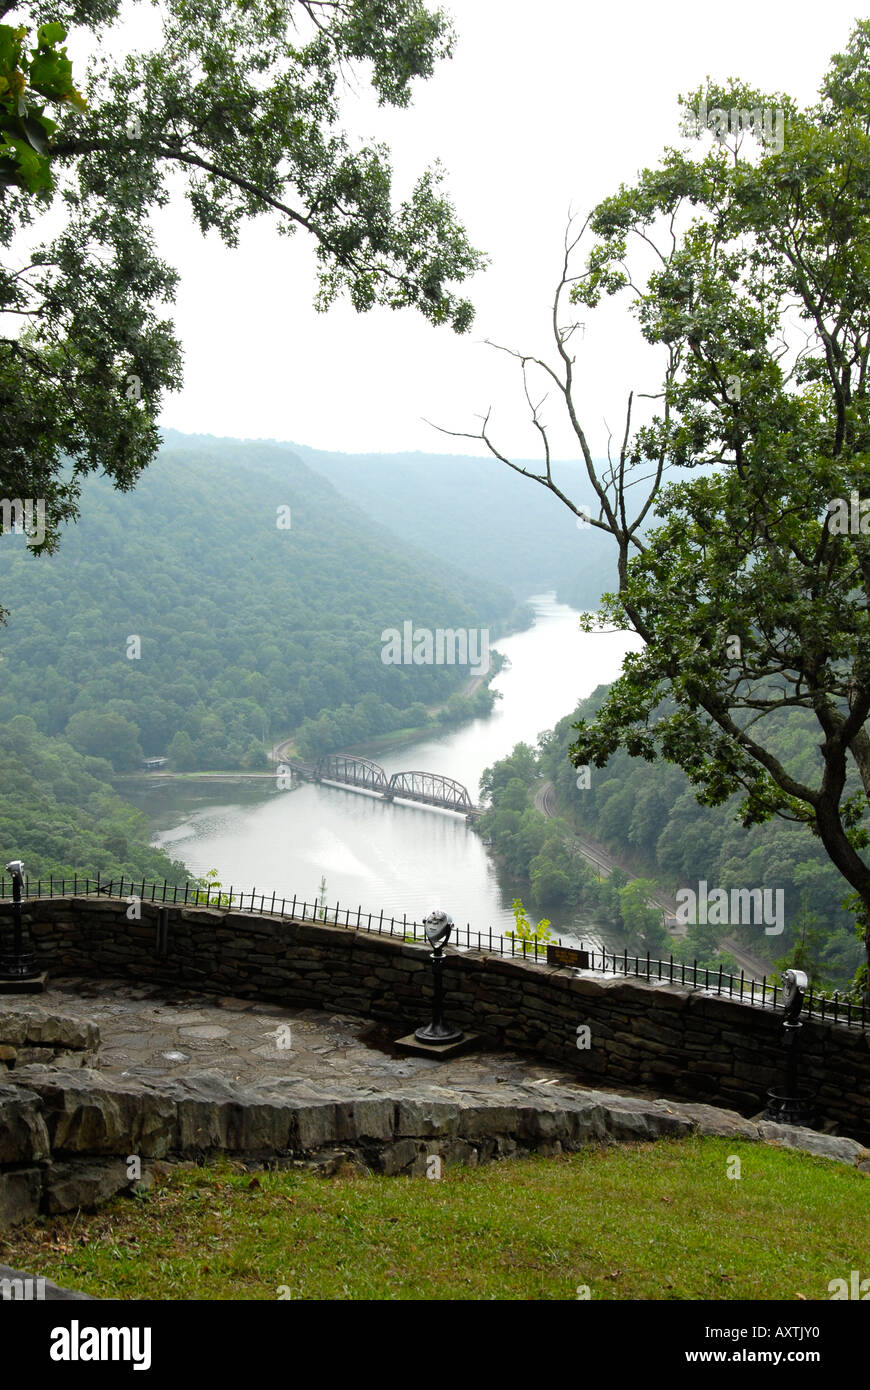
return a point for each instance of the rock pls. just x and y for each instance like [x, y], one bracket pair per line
[646, 1122]
[457, 1151]
[23, 1133]
[587, 1121]
[14, 1284]
[89, 1112]
[543, 1123]
[314, 1125]
[372, 1117]
[20, 1195]
[331, 1161]
[426, 1117]
[394, 1158]
[214, 1113]
[709, 1120]
[477, 1120]
[809, 1141]
[37, 1055]
[70, 1186]
[30, 1027]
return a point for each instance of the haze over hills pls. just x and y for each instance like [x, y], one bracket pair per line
[233, 596]
[238, 595]
[475, 514]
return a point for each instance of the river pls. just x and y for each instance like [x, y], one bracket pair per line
[399, 857]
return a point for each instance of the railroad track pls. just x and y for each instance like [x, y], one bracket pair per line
[545, 801]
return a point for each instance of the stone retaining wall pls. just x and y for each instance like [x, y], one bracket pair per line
[677, 1041]
[67, 1136]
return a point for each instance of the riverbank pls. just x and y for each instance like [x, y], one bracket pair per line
[286, 749]
[405, 858]
[605, 862]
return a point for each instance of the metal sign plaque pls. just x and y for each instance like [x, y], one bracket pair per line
[567, 955]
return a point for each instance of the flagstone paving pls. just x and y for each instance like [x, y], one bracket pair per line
[251, 1043]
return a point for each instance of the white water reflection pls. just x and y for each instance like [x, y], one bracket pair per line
[403, 858]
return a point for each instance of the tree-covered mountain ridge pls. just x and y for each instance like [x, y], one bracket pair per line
[233, 597]
[472, 513]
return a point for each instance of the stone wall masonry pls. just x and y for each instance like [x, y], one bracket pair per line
[69, 1134]
[676, 1041]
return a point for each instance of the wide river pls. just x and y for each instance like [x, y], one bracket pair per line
[399, 857]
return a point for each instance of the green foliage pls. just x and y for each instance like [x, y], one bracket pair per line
[609, 901]
[700, 946]
[527, 933]
[678, 841]
[521, 765]
[208, 890]
[809, 942]
[60, 815]
[106, 735]
[248, 632]
[530, 845]
[503, 531]
[25, 129]
[681, 842]
[751, 601]
[239, 104]
[642, 923]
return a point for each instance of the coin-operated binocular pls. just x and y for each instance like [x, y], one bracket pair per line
[438, 927]
[794, 1105]
[17, 965]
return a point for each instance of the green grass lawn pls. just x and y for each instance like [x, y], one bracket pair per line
[636, 1221]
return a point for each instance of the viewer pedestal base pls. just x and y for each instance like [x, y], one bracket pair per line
[34, 985]
[413, 1045]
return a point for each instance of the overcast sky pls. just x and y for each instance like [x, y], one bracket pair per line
[543, 107]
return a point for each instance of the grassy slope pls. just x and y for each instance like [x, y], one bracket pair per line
[647, 1221]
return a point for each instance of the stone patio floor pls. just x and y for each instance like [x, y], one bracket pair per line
[251, 1043]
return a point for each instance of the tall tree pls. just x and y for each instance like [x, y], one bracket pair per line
[746, 265]
[241, 100]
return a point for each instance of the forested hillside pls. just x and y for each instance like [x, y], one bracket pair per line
[475, 514]
[232, 597]
[649, 812]
[61, 817]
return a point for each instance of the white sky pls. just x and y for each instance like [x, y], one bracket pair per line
[543, 107]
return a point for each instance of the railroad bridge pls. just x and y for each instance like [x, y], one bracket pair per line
[425, 788]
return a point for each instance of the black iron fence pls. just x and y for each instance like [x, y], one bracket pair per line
[832, 1008]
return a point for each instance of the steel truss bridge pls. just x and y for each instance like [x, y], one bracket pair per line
[425, 788]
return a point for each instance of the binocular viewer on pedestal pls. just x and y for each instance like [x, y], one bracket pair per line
[18, 967]
[438, 927]
[794, 1105]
